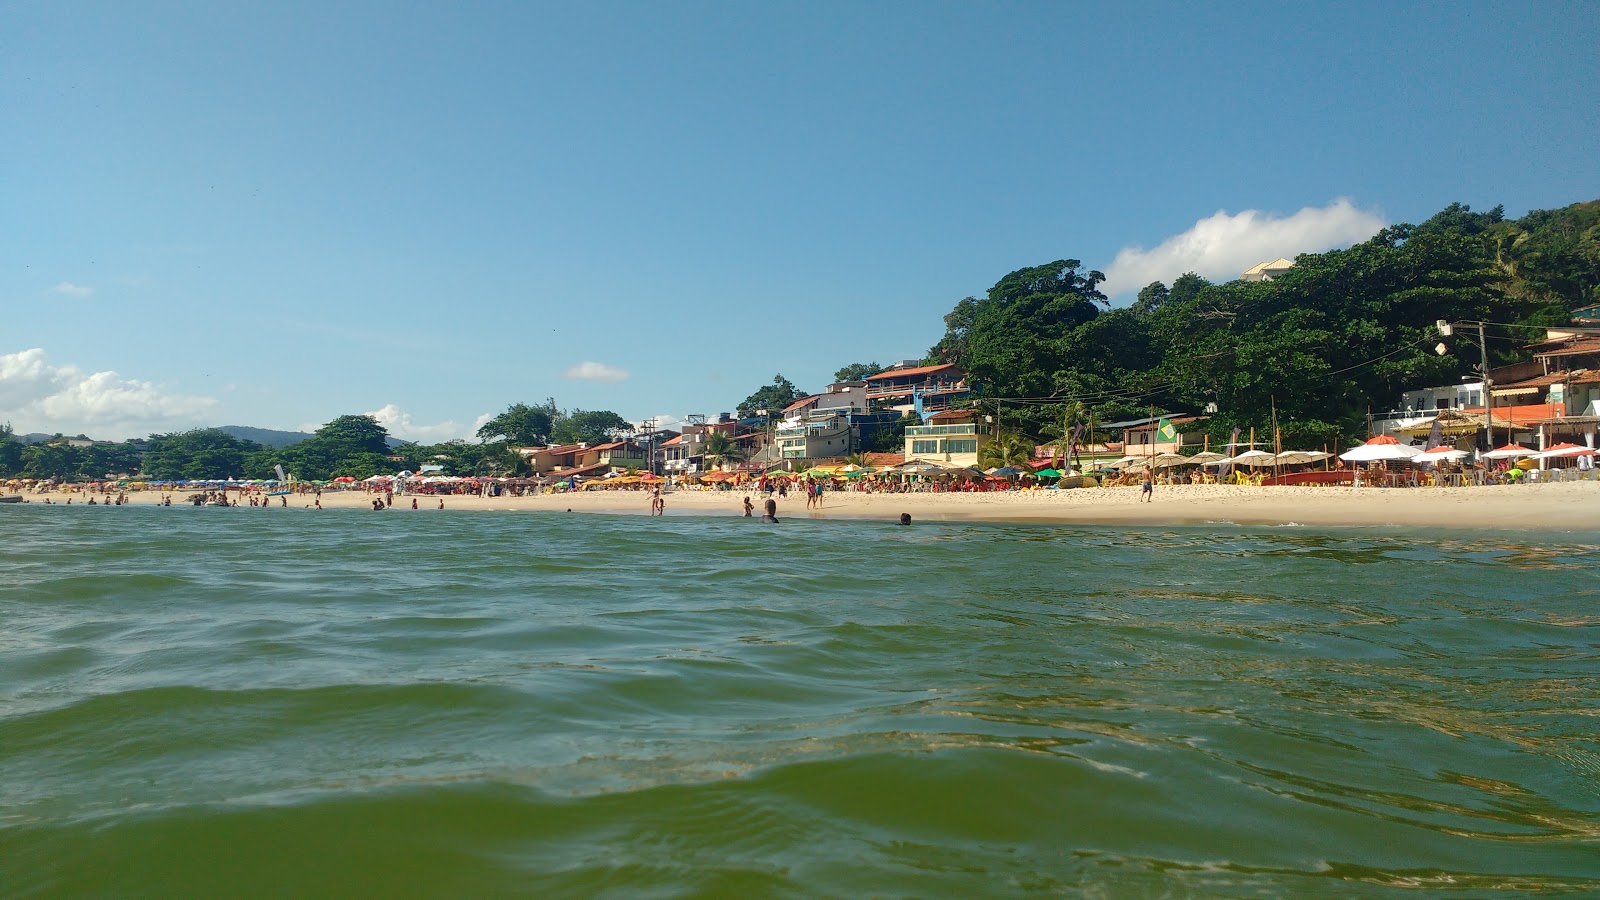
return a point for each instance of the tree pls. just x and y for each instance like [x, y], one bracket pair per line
[521, 425]
[857, 371]
[350, 435]
[1010, 449]
[888, 438]
[10, 452]
[772, 397]
[201, 454]
[587, 427]
[721, 449]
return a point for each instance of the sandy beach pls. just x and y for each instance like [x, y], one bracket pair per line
[1545, 507]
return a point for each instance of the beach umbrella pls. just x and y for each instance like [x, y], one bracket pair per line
[1048, 473]
[1207, 458]
[1167, 460]
[1441, 454]
[1382, 447]
[1253, 458]
[1006, 471]
[1125, 462]
[1301, 457]
[1564, 451]
[1510, 451]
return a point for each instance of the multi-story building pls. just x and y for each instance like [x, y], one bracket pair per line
[908, 387]
[952, 437]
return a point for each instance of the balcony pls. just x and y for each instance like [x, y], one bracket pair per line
[924, 387]
[940, 430]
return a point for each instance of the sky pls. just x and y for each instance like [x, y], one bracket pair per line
[273, 214]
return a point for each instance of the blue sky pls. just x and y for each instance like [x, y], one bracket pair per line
[274, 214]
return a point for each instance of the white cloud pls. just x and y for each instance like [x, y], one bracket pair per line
[399, 423]
[38, 396]
[68, 289]
[593, 371]
[1222, 246]
[665, 420]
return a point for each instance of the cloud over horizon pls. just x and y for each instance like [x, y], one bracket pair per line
[1222, 246]
[68, 289]
[38, 396]
[399, 423]
[593, 371]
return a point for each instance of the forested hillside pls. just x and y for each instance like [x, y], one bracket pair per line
[1341, 331]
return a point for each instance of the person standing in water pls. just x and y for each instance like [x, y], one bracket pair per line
[771, 517]
[749, 508]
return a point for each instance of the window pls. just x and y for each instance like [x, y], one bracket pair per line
[920, 447]
[966, 446]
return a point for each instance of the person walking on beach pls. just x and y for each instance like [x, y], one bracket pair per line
[1146, 488]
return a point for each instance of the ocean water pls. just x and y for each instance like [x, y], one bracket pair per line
[210, 702]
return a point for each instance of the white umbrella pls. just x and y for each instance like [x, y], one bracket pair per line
[1207, 458]
[1509, 451]
[1381, 447]
[1440, 454]
[1126, 461]
[1167, 460]
[1253, 458]
[1301, 457]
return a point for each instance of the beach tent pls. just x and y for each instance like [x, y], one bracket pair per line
[1382, 447]
[1510, 451]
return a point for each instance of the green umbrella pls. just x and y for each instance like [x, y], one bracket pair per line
[1048, 473]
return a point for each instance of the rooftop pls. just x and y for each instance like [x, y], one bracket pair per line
[915, 370]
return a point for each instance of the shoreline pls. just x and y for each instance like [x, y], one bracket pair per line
[1564, 506]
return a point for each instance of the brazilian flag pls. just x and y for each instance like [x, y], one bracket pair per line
[1165, 431]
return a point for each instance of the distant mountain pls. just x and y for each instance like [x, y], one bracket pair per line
[266, 437]
[34, 437]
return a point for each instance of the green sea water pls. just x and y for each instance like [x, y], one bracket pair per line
[214, 702]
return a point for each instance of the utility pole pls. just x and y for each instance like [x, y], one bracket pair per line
[1488, 391]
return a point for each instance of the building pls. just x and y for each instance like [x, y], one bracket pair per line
[953, 437]
[1266, 271]
[1142, 437]
[827, 433]
[907, 387]
[1448, 396]
[584, 459]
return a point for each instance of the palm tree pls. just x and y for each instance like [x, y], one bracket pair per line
[722, 449]
[1010, 450]
[1073, 414]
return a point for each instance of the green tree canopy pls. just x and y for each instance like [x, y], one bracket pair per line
[771, 397]
[520, 424]
[857, 371]
[580, 426]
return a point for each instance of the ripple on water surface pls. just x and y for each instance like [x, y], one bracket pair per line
[347, 703]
